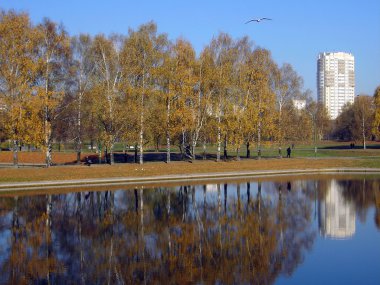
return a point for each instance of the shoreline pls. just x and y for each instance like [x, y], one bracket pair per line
[7, 187]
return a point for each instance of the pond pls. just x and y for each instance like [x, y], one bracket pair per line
[296, 231]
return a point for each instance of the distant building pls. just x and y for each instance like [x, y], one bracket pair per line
[299, 104]
[335, 81]
[336, 214]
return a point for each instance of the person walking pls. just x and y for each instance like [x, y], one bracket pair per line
[288, 151]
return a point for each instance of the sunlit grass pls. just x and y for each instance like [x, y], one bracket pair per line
[303, 156]
[161, 168]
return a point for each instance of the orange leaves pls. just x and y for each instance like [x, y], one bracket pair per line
[376, 121]
[17, 74]
[136, 88]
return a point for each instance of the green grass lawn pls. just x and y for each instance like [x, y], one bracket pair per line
[324, 149]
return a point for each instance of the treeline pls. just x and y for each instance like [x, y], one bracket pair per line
[359, 121]
[143, 89]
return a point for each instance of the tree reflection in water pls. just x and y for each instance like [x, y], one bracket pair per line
[224, 233]
[364, 194]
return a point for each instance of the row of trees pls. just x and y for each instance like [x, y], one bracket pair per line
[359, 121]
[143, 89]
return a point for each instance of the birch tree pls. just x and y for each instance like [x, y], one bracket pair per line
[250, 116]
[109, 75]
[143, 54]
[83, 71]
[364, 111]
[262, 97]
[287, 86]
[162, 111]
[220, 51]
[319, 121]
[17, 75]
[376, 120]
[238, 114]
[188, 87]
[54, 48]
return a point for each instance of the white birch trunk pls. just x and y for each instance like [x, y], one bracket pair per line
[193, 146]
[167, 131]
[47, 123]
[204, 150]
[112, 160]
[218, 140]
[259, 140]
[141, 159]
[15, 153]
[363, 129]
[79, 124]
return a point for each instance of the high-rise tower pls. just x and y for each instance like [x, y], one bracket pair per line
[335, 81]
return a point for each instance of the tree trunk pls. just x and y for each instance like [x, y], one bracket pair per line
[48, 153]
[141, 160]
[183, 152]
[79, 125]
[248, 151]
[167, 148]
[112, 157]
[48, 145]
[99, 153]
[218, 141]
[15, 153]
[193, 145]
[225, 155]
[78, 157]
[125, 153]
[280, 139]
[363, 128]
[167, 130]
[106, 155]
[204, 150]
[157, 145]
[136, 153]
[259, 140]
[238, 153]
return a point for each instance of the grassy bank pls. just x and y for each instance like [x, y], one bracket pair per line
[179, 167]
[329, 155]
[330, 149]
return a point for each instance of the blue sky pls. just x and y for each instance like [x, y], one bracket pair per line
[298, 32]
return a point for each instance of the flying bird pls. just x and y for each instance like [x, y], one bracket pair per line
[258, 20]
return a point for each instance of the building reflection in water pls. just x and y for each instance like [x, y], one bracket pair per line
[249, 232]
[336, 214]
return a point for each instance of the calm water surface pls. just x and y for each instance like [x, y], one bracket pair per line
[289, 232]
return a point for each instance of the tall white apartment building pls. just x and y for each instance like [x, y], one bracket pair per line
[335, 81]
